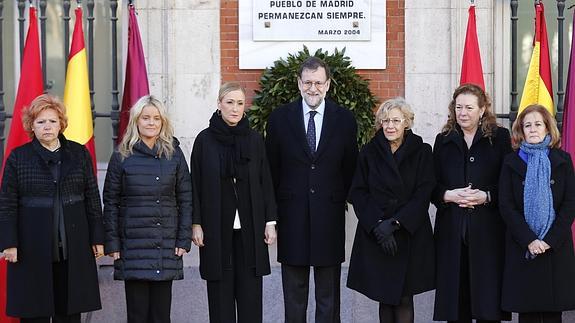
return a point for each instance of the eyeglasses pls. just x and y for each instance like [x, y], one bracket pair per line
[394, 122]
[318, 84]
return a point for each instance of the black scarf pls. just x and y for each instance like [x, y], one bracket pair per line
[235, 143]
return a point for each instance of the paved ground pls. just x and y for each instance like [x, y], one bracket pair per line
[190, 304]
[190, 300]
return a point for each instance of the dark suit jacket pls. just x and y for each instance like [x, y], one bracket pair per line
[311, 189]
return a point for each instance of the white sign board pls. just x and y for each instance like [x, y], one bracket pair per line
[311, 20]
[369, 53]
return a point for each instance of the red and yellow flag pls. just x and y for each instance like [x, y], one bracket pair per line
[538, 87]
[77, 92]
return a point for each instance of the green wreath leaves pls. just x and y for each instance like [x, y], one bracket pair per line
[278, 86]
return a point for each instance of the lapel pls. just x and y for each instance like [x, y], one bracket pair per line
[67, 160]
[556, 159]
[388, 161]
[456, 138]
[295, 120]
[327, 128]
[517, 164]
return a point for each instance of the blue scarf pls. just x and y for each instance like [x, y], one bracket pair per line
[537, 197]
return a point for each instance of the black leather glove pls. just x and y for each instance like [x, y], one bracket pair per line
[385, 229]
[389, 246]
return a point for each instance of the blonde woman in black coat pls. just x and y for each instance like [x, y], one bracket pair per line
[469, 232]
[537, 201]
[148, 212]
[50, 221]
[393, 255]
[234, 210]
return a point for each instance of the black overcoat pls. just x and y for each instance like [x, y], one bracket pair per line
[26, 217]
[546, 283]
[311, 190]
[457, 167]
[396, 185]
[206, 183]
[148, 213]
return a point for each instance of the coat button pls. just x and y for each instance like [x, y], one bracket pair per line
[312, 190]
[158, 223]
[157, 201]
[158, 247]
[472, 159]
[156, 157]
[552, 182]
[312, 166]
[157, 271]
[157, 178]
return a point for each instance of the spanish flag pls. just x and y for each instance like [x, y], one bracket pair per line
[77, 93]
[538, 88]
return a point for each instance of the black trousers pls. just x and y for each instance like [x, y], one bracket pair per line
[148, 301]
[239, 290]
[60, 277]
[465, 315]
[540, 317]
[295, 282]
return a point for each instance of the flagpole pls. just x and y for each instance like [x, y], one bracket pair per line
[90, 5]
[514, 105]
[66, 17]
[42, 7]
[115, 113]
[21, 20]
[560, 90]
[2, 108]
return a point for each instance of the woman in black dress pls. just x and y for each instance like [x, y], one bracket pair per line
[50, 221]
[234, 210]
[393, 257]
[469, 231]
[537, 201]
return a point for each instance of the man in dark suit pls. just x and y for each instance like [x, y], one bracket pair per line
[312, 151]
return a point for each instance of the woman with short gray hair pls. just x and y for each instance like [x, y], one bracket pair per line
[393, 255]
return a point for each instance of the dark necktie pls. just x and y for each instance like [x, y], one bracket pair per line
[311, 132]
